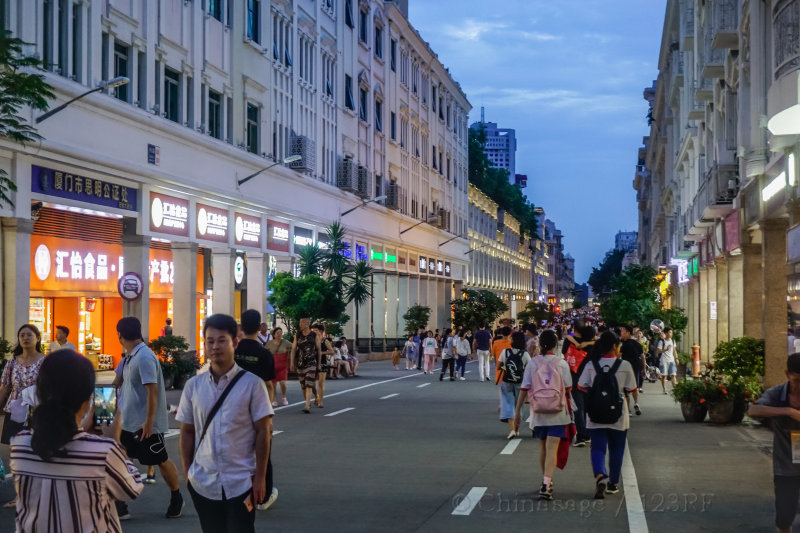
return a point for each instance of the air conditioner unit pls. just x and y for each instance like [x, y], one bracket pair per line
[443, 218]
[346, 177]
[305, 148]
[393, 196]
[364, 180]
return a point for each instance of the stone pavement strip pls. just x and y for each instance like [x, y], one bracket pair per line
[399, 457]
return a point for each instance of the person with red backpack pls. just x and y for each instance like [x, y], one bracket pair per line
[547, 381]
[574, 350]
[606, 379]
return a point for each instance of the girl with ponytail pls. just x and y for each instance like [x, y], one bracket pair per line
[58, 457]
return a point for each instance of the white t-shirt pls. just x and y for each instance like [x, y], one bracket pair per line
[54, 347]
[668, 355]
[548, 419]
[429, 346]
[626, 382]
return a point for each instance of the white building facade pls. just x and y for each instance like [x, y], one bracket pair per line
[145, 178]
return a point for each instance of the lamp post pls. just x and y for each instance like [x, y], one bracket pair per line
[110, 84]
[430, 220]
[285, 161]
[363, 203]
[452, 239]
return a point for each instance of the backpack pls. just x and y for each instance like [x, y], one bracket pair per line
[547, 394]
[574, 357]
[604, 402]
[513, 367]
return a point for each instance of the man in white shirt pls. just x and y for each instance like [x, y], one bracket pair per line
[667, 367]
[264, 335]
[61, 342]
[225, 466]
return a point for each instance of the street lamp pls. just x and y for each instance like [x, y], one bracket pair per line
[286, 161]
[452, 239]
[110, 84]
[430, 220]
[363, 203]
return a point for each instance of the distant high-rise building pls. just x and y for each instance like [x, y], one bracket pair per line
[501, 146]
[625, 240]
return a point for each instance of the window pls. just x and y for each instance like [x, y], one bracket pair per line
[378, 115]
[393, 126]
[379, 42]
[362, 26]
[76, 39]
[441, 111]
[215, 9]
[378, 185]
[348, 13]
[215, 114]
[252, 128]
[433, 97]
[121, 69]
[433, 151]
[171, 86]
[253, 20]
[47, 34]
[348, 93]
[393, 55]
[362, 103]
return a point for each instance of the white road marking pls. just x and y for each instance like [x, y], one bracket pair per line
[368, 385]
[469, 502]
[389, 396]
[423, 385]
[340, 411]
[467, 371]
[637, 522]
[277, 432]
[511, 447]
[172, 433]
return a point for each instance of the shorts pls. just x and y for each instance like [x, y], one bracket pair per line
[307, 377]
[150, 452]
[787, 490]
[542, 432]
[668, 369]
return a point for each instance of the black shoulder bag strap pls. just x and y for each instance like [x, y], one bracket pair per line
[217, 405]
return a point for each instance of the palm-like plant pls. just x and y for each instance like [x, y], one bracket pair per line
[359, 288]
[310, 259]
[334, 264]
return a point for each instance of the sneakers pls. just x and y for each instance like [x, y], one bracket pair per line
[272, 497]
[285, 402]
[275, 403]
[149, 480]
[462, 378]
[546, 492]
[600, 488]
[511, 435]
[636, 409]
[612, 488]
[175, 509]
[665, 393]
[579, 443]
[122, 510]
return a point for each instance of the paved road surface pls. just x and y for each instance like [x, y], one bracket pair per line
[400, 451]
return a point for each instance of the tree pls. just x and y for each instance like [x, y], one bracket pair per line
[305, 297]
[19, 88]
[416, 318]
[334, 263]
[359, 288]
[534, 313]
[577, 303]
[600, 278]
[310, 259]
[478, 308]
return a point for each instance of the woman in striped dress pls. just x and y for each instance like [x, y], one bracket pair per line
[67, 479]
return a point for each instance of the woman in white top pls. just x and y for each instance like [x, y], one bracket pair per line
[462, 349]
[78, 474]
[429, 351]
[609, 436]
[550, 411]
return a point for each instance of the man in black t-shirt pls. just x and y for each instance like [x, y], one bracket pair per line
[253, 357]
[632, 352]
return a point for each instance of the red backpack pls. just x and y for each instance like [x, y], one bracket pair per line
[574, 357]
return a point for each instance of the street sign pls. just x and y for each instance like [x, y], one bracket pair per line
[713, 313]
[130, 286]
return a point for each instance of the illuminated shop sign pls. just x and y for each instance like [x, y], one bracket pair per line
[431, 266]
[348, 251]
[447, 271]
[303, 237]
[247, 230]
[169, 214]
[277, 236]
[212, 223]
[682, 266]
[238, 270]
[440, 267]
[82, 188]
[423, 264]
[361, 252]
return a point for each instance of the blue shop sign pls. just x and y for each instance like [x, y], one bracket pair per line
[81, 188]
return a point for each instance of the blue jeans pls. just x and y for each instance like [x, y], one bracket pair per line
[614, 441]
[461, 364]
[580, 415]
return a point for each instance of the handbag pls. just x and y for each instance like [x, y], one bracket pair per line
[217, 405]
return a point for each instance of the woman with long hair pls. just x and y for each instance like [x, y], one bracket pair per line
[280, 349]
[57, 458]
[20, 373]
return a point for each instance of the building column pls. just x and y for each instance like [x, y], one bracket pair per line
[15, 289]
[184, 292]
[433, 302]
[751, 290]
[394, 329]
[379, 303]
[222, 261]
[774, 274]
[257, 282]
[723, 330]
[712, 324]
[402, 302]
[136, 258]
[736, 304]
[702, 311]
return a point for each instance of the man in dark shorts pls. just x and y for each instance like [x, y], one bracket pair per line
[632, 352]
[143, 405]
[253, 357]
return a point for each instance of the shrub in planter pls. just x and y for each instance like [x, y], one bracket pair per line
[168, 349]
[186, 366]
[718, 398]
[689, 393]
[740, 357]
[744, 391]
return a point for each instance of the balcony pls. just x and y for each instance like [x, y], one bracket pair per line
[687, 27]
[724, 24]
[713, 58]
[676, 71]
[714, 199]
[703, 90]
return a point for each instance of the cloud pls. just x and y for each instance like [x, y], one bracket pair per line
[471, 30]
[554, 99]
[537, 36]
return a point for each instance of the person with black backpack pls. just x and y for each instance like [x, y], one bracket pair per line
[605, 379]
[512, 361]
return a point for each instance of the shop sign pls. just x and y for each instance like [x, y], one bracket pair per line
[375, 256]
[712, 310]
[212, 223]
[447, 271]
[72, 265]
[440, 267]
[130, 286]
[153, 154]
[238, 270]
[303, 237]
[277, 236]
[348, 250]
[390, 256]
[431, 266]
[732, 239]
[82, 188]
[423, 265]
[169, 214]
[247, 230]
[361, 252]
[401, 258]
[682, 266]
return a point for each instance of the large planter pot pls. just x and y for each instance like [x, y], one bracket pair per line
[739, 410]
[693, 412]
[721, 413]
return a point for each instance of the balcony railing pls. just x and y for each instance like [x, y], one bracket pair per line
[714, 199]
[713, 58]
[724, 24]
[786, 52]
[687, 27]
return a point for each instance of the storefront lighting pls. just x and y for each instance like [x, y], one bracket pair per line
[110, 84]
[774, 187]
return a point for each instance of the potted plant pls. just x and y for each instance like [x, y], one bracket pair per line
[689, 393]
[186, 366]
[718, 398]
[742, 360]
[168, 371]
[5, 351]
[168, 349]
[744, 392]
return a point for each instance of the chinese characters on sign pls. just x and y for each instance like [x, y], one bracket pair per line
[212, 223]
[82, 188]
[169, 214]
[277, 236]
[247, 230]
[303, 237]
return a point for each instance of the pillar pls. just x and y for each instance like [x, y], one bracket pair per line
[379, 303]
[402, 302]
[433, 303]
[16, 279]
[751, 290]
[712, 324]
[222, 262]
[702, 311]
[257, 282]
[736, 303]
[136, 258]
[774, 274]
[184, 292]
[722, 301]
[394, 328]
